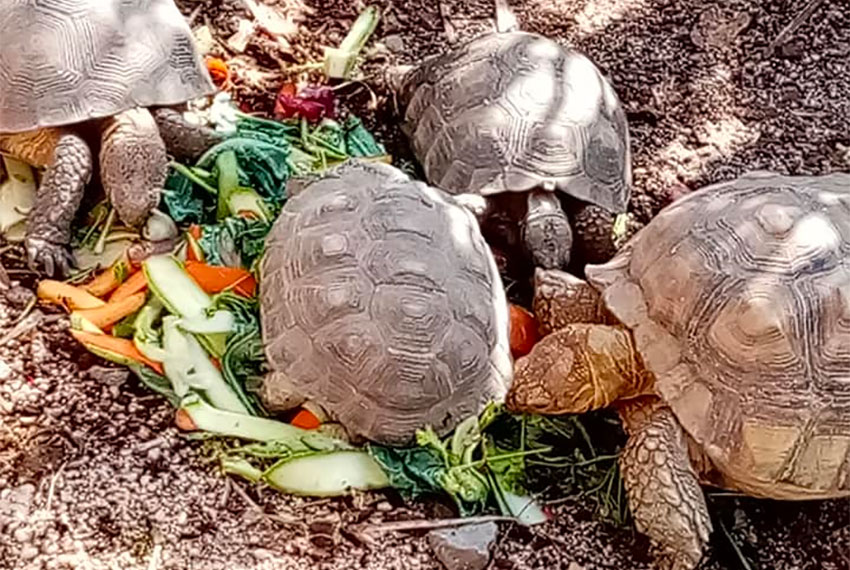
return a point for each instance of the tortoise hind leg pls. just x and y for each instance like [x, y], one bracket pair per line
[184, 140]
[662, 488]
[547, 232]
[68, 162]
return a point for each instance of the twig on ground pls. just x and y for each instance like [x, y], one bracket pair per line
[448, 27]
[154, 563]
[430, 524]
[22, 328]
[745, 564]
[280, 519]
[794, 25]
[5, 282]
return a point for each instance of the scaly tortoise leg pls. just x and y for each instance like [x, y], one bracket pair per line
[546, 231]
[184, 140]
[133, 164]
[663, 490]
[67, 160]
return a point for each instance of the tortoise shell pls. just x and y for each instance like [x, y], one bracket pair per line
[515, 111]
[381, 302]
[65, 62]
[738, 297]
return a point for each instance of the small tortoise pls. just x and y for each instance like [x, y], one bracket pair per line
[727, 353]
[77, 75]
[381, 303]
[509, 118]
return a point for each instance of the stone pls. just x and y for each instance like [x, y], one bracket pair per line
[464, 548]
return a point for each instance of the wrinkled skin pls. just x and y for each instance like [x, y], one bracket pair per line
[133, 166]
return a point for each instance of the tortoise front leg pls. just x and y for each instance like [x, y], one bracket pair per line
[184, 140]
[133, 164]
[662, 488]
[68, 166]
[547, 234]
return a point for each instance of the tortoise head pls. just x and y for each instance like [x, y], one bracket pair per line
[561, 298]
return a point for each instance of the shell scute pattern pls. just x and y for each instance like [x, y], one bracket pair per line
[750, 282]
[401, 323]
[509, 112]
[67, 62]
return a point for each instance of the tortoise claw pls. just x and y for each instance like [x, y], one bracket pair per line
[56, 260]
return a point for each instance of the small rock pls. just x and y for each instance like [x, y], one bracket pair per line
[394, 43]
[28, 552]
[109, 375]
[464, 548]
[575, 566]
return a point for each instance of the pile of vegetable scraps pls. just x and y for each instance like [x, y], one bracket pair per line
[186, 322]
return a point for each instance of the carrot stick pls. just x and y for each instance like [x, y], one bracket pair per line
[305, 419]
[113, 311]
[120, 350]
[215, 279]
[184, 421]
[134, 284]
[108, 280]
[66, 295]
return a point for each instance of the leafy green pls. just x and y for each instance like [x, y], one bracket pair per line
[466, 465]
[234, 241]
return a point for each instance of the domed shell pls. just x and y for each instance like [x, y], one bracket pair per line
[67, 61]
[515, 111]
[738, 297]
[382, 303]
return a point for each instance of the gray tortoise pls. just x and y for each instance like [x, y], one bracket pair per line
[721, 333]
[75, 76]
[516, 113]
[381, 303]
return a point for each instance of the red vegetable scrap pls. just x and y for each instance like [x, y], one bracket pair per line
[219, 71]
[524, 334]
[312, 103]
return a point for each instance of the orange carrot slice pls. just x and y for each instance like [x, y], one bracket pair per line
[184, 421]
[67, 295]
[113, 311]
[134, 284]
[215, 279]
[109, 279]
[114, 349]
[305, 419]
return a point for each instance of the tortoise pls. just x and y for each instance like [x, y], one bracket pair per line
[381, 303]
[111, 74]
[725, 351]
[510, 120]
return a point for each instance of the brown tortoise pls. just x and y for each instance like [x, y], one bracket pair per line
[75, 76]
[726, 351]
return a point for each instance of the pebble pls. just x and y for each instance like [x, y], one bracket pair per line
[464, 548]
[28, 552]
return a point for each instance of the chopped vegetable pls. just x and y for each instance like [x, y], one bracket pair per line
[17, 198]
[65, 295]
[210, 419]
[339, 62]
[135, 283]
[305, 419]
[109, 279]
[215, 278]
[327, 474]
[524, 331]
[182, 296]
[113, 311]
[118, 350]
[145, 337]
[184, 421]
[189, 367]
[312, 104]
[218, 70]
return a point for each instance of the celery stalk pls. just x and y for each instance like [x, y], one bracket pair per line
[340, 61]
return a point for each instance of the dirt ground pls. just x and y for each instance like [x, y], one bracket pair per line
[93, 475]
